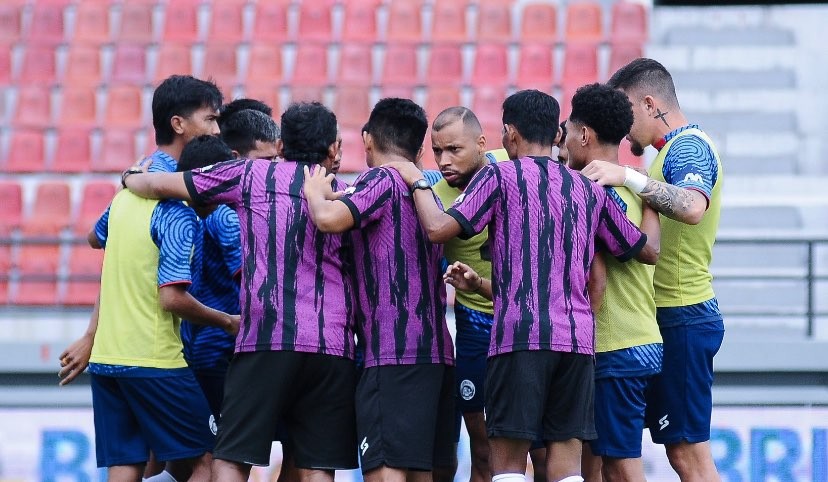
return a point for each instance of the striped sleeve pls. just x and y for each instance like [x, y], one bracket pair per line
[691, 164]
[102, 228]
[223, 227]
[368, 198]
[217, 184]
[474, 208]
[617, 234]
[173, 227]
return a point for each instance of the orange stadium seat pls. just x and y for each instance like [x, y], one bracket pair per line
[400, 66]
[353, 151]
[315, 23]
[74, 151]
[356, 65]
[539, 23]
[360, 22]
[117, 151]
[136, 22]
[91, 23]
[583, 22]
[173, 59]
[629, 22]
[38, 65]
[50, 211]
[96, 197]
[311, 66]
[11, 198]
[83, 65]
[439, 99]
[271, 23]
[181, 21]
[34, 106]
[580, 64]
[124, 106]
[227, 21]
[85, 266]
[46, 26]
[535, 69]
[129, 65]
[220, 64]
[267, 93]
[445, 65]
[449, 22]
[621, 54]
[78, 107]
[26, 152]
[494, 21]
[491, 66]
[488, 105]
[352, 106]
[264, 65]
[405, 21]
[11, 20]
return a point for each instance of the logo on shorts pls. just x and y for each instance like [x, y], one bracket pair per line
[663, 423]
[467, 389]
[363, 446]
[212, 423]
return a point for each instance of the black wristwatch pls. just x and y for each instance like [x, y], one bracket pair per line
[420, 184]
[131, 170]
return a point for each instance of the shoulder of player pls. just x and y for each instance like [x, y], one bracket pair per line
[690, 145]
[170, 209]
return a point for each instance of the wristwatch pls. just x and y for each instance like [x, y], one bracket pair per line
[131, 170]
[420, 184]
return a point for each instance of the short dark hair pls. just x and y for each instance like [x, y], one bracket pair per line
[398, 126]
[308, 130]
[203, 151]
[452, 114]
[648, 76]
[534, 114]
[605, 110]
[242, 129]
[180, 95]
[238, 105]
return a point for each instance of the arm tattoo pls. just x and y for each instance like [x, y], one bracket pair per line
[661, 116]
[671, 201]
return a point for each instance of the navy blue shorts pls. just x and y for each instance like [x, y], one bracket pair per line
[619, 416]
[133, 415]
[212, 384]
[680, 399]
[474, 333]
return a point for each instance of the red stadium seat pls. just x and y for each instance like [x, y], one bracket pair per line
[50, 212]
[117, 151]
[583, 22]
[491, 66]
[353, 151]
[38, 275]
[136, 22]
[181, 21]
[38, 65]
[535, 69]
[360, 22]
[11, 20]
[11, 198]
[267, 93]
[494, 21]
[352, 106]
[427, 160]
[5, 67]
[74, 151]
[567, 92]
[400, 66]
[265, 65]
[626, 157]
[315, 23]
[488, 105]
[34, 106]
[46, 26]
[220, 64]
[580, 64]
[439, 99]
[622, 54]
[356, 65]
[539, 23]
[129, 65]
[96, 197]
[83, 65]
[449, 22]
[26, 152]
[405, 21]
[173, 59]
[227, 21]
[307, 93]
[91, 23]
[311, 66]
[629, 22]
[445, 65]
[85, 266]
[399, 91]
[271, 23]
[78, 107]
[124, 107]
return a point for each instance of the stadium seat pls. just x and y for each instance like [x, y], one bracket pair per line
[11, 20]
[271, 23]
[535, 69]
[580, 64]
[91, 23]
[583, 22]
[621, 54]
[83, 284]
[34, 106]
[427, 161]
[264, 65]
[38, 65]
[267, 93]
[78, 107]
[74, 151]
[227, 21]
[50, 211]
[315, 24]
[220, 64]
[11, 198]
[353, 151]
[96, 197]
[400, 66]
[494, 21]
[356, 65]
[539, 23]
[181, 21]
[488, 105]
[565, 100]
[26, 151]
[491, 66]
[46, 26]
[311, 65]
[360, 22]
[400, 91]
[117, 151]
[129, 65]
[626, 157]
[405, 21]
[307, 93]
[352, 106]
[449, 22]
[124, 107]
[445, 65]
[37, 267]
[173, 59]
[629, 22]
[440, 98]
[5, 68]
[83, 66]
[136, 22]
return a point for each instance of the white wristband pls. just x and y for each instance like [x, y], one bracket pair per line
[635, 180]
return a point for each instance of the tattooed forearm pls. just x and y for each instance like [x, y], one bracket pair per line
[672, 201]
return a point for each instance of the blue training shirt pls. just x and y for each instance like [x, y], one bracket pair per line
[690, 163]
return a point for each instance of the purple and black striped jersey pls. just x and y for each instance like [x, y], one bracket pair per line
[402, 299]
[544, 221]
[295, 292]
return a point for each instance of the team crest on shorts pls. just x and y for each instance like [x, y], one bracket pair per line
[467, 389]
[212, 423]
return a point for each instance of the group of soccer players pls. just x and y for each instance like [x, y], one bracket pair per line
[316, 311]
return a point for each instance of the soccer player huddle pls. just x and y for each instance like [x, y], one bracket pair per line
[314, 312]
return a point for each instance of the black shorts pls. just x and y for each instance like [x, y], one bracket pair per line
[312, 394]
[405, 417]
[540, 395]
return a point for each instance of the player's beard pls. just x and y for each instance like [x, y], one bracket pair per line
[636, 148]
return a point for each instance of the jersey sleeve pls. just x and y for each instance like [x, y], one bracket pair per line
[173, 227]
[690, 163]
[616, 234]
[473, 209]
[433, 176]
[102, 228]
[369, 197]
[217, 184]
[223, 227]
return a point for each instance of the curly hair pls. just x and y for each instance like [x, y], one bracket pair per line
[308, 130]
[603, 109]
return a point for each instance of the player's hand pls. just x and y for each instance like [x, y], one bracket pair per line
[233, 326]
[605, 173]
[319, 183]
[462, 277]
[75, 359]
[408, 171]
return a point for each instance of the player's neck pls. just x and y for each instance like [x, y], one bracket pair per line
[528, 149]
[671, 121]
[381, 158]
[607, 153]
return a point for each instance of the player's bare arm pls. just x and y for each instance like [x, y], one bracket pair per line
[75, 358]
[175, 299]
[651, 226]
[328, 214]
[464, 278]
[92, 239]
[684, 205]
[158, 185]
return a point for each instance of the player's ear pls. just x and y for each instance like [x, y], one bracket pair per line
[558, 136]
[333, 150]
[481, 143]
[236, 154]
[280, 148]
[649, 103]
[585, 135]
[176, 122]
